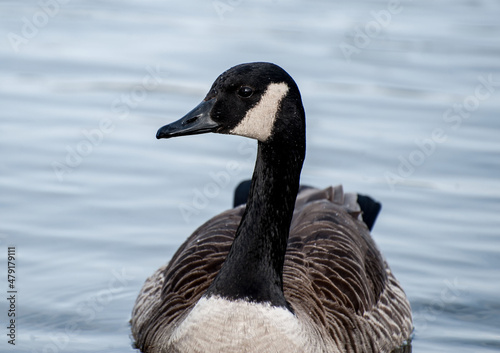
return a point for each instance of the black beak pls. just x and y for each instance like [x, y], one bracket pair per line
[197, 121]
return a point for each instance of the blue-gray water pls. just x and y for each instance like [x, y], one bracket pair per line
[402, 100]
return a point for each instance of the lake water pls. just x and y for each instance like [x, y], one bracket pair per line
[402, 101]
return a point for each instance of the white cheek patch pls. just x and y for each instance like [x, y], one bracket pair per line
[259, 121]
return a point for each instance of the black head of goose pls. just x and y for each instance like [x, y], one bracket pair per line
[283, 273]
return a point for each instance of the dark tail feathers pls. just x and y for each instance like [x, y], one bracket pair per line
[369, 207]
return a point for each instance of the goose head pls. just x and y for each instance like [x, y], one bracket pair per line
[256, 100]
[262, 102]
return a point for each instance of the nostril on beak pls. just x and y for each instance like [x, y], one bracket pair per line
[190, 121]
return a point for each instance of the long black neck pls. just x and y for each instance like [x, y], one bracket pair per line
[253, 269]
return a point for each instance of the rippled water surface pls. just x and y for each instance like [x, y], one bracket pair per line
[402, 101]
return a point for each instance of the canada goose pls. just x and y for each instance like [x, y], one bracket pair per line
[283, 273]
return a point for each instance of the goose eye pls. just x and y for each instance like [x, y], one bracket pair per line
[245, 92]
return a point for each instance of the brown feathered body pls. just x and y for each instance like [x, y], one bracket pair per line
[334, 276]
